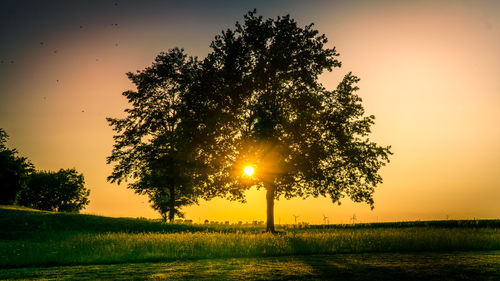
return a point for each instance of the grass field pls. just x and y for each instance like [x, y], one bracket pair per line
[373, 266]
[31, 238]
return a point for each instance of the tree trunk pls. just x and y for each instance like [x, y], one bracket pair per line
[171, 205]
[171, 216]
[270, 208]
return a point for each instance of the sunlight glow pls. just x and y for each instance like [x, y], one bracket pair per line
[248, 171]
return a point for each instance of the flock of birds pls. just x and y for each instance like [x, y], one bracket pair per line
[81, 27]
[42, 43]
[56, 51]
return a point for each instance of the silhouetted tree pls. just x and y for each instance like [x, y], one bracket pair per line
[61, 191]
[150, 148]
[259, 102]
[14, 171]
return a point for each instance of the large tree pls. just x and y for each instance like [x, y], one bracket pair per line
[150, 150]
[259, 103]
[61, 191]
[14, 171]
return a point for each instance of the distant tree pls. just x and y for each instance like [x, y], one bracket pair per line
[259, 103]
[61, 191]
[150, 148]
[14, 171]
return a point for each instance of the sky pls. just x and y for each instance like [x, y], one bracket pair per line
[429, 73]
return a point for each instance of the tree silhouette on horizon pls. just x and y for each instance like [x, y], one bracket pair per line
[149, 150]
[254, 100]
[61, 191]
[260, 103]
[15, 171]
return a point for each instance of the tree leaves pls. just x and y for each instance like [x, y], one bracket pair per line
[14, 171]
[150, 147]
[254, 99]
[267, 71]
[61, 191]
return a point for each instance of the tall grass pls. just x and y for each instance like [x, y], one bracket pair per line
[95, 248]
[34, 238]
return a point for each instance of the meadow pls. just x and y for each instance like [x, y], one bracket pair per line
[31, 238]
[363, 266]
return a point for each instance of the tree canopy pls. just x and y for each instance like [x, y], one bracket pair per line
[14, 171]
[150, 149]
[61, 191]
[262, 105]
[254, 100]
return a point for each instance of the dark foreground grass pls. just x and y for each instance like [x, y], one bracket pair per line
[379, 266]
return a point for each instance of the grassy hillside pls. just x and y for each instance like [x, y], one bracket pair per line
[35, 238]
[19, 222]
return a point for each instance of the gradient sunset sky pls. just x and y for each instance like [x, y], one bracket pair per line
[430, 73]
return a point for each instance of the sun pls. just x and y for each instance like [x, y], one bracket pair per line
[248, 171]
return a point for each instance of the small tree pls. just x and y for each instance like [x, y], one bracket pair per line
[14, 171]
[150, 147]
[61, 191]
[260, 103]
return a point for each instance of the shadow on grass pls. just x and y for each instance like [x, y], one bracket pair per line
[406, 266]
[381, 266]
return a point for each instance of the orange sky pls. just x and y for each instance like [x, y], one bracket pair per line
[429, 73]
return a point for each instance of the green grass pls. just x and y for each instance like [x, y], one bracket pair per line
[25, 223]
[95, 248]
[34, 238]
[18, 222]
[373, 266]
